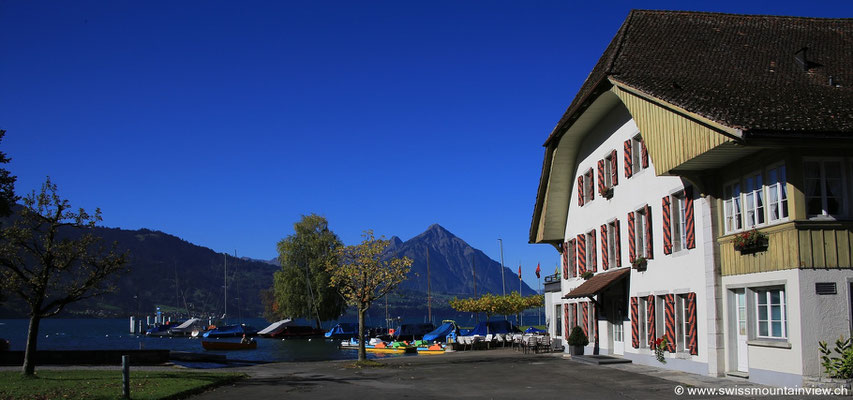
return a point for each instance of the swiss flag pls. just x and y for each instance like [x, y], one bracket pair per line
[519, 272]
[537, 271]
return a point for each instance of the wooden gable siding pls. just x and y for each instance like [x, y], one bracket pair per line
[673, 137]
[796, 244]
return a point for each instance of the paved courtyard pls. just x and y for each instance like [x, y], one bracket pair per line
[493, 374]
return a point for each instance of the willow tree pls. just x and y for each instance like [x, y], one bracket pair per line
[50, 258]
[301, 289]
[362, 275]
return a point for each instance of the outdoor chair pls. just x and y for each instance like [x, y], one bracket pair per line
[500, 339]
[488, 340]
[529, 344]
[543, 344]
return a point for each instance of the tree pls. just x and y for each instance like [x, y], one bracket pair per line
[490, 304]
[301, 288]
[7, 185]
[361, 276]
[48, 259]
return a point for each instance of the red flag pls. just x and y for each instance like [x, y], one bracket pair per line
[519, 272]
[537, 271]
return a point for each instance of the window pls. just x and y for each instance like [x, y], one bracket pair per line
[571, 260]
[588, 185]
[660, 316]
[637, 154]
[610, 251]
[679, 223]
[590, 251]
[777, 194]
[772, 316]
[823, 188]
[609, 170]
[754, 204]
[641, 230]
[682, 332]
[642, 325]
[732, 207]
[558, 316]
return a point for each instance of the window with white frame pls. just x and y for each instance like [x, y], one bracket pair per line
[682, 330]
[611, 245]
[636, 154]
[777, 194]
[558, 316]
[642, 311]
[754, 200]
[679, 228]
[590, 251]
[588, 186]
[771, 313]
[608, 170]
[660, 316]
[572, 258]
[824, 188]
[641, 220]
[732, 207]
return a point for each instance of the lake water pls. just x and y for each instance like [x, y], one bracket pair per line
[112, 334]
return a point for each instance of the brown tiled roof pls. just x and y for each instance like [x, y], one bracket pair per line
[597, 283]
[739, 70]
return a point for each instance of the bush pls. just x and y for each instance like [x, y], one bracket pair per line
[840, 366]
[577, 337]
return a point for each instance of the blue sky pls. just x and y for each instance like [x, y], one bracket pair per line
[223, 122]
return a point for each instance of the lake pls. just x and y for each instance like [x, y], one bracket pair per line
[112, 334]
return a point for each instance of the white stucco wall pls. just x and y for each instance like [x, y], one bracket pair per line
[678, 273]
[824, 317]
[767, 361]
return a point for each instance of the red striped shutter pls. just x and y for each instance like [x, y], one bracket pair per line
[649, 240]
[585, 320]
[601, 176]
[645, 154]
[628, 170]
[566, 326]
[618, 244]
[650, 313]
[566, 260]
[635, 327]
[580, 190]
[669, 309]
[688, 218]
[614, 168]
[692, 341]
[594, 264]
[581, 251]
[667, 226]
[632, 246]
[604, 248]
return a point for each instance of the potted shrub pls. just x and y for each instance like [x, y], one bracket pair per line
[607, 193]
[576, 341]
[640, 263]
[750, 242]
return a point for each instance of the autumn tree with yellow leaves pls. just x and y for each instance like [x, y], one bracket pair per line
[361, 275]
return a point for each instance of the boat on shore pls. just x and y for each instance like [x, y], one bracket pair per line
[231, 331]
[221, 345]
[285, 329]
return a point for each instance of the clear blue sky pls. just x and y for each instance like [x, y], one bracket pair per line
[223, 122]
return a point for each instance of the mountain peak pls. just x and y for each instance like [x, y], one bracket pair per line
[438, 229]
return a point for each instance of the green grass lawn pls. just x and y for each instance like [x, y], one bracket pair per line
[98, 384]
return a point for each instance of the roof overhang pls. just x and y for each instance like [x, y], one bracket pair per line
[558, 171]
[598, 283]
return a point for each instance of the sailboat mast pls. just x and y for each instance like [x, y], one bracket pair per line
[429, 292]
[225, 256]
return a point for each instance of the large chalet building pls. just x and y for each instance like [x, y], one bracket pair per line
[698, 188]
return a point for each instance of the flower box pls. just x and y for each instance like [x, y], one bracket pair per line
[640, 264]
[751, 242]
[607, 193]
[587, 275]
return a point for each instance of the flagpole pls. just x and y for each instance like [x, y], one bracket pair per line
[539, 278]
[519, 290]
